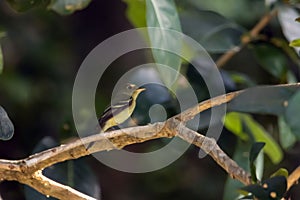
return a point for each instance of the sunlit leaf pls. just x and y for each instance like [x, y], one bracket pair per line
[281, 172]
[292, 114]
[295, 43]
[6, 126]
[259, 165]
[254, 152]
[290, 27]
[136, 12]
[163, 14]
[233, 123]
[286, 137]
[272, 149]
[255, 149]
[65, 7]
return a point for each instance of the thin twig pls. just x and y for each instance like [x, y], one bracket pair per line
[247, 38]
[293, 178]
[205, 105]
[262, 23]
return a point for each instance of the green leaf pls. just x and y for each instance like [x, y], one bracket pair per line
[242, 79]
[292, 114]
[254, 152]
[290, 27]
[243, 11]
[281, 172]
[259, 165]
[21, 5]
[74, 173]
[163, 14]
[223, 38]
[66, 7]
[233, 123]
[286, 137]
[6, 126]
[272, 149]
[216, 33]
[136, 12]
[271, 59]
[263, 99]
[295, 43]
[241, 157]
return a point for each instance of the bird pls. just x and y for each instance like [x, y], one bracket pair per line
[120, 111]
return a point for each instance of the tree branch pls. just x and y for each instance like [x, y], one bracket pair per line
[210, 146]
[28, 170]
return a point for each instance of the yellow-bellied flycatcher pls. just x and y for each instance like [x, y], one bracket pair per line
[122, 110]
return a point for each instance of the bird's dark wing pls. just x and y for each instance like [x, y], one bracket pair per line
[114, 110]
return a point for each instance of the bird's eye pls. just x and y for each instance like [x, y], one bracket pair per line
[129, 87]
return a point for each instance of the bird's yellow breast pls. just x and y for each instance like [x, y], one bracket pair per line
[119, 118]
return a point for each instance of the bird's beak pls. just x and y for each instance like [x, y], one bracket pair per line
[141, 89]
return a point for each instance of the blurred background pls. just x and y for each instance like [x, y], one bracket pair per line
[42, 51]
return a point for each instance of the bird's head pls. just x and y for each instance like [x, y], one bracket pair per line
[133, 90]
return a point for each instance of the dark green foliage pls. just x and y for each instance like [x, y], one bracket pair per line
[270, 189]
[255, 150]
[43, 43]
[292, 114]
[22, 6]
[6, 126]
[254, 100]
